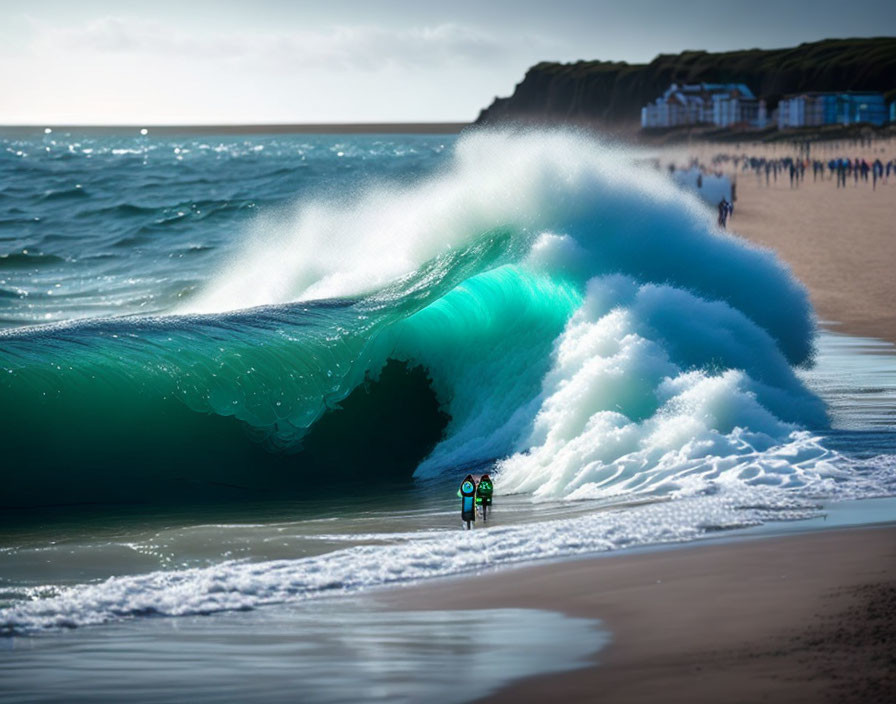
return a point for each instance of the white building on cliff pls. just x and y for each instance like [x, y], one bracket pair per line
[721, 104]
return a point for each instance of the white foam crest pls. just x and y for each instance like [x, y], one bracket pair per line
[331, 248]
[710, 187]
[656, 391]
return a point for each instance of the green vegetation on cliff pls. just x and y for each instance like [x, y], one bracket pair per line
[614, 92]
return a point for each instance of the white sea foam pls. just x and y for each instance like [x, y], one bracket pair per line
[655, 390]
[354, 245]
[398, 559]
[710, 187]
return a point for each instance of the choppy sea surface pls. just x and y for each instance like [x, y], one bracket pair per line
[241, 373]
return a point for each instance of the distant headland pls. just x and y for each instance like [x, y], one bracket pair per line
[612, 94]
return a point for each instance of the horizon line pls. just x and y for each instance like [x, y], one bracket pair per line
[256, 128]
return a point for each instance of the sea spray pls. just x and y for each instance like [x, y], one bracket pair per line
[579, 209]
[627, 218]
[656, 391]
[475, 275]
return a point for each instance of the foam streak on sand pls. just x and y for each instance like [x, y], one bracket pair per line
[398, 558]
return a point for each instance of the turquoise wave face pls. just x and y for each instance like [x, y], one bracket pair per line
[221, 405]
[537, 301]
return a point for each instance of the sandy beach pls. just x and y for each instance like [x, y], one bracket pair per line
[804, 618]
[841, 243]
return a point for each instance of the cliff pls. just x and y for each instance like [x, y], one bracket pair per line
[614, 92]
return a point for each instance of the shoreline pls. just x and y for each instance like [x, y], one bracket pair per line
[772, 618]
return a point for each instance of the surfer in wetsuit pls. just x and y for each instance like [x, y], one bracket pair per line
[484, 490]
[467, 494]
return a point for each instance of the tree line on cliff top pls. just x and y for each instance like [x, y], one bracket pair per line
[614, 92]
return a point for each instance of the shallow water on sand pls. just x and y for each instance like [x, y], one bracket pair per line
[333, 651]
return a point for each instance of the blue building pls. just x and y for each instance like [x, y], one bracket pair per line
[846, 108]
[861, 107]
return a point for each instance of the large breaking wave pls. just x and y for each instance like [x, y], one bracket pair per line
[541, 305]
[541, 302]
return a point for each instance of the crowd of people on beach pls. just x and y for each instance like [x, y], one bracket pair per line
[724, 169]
[842, 169]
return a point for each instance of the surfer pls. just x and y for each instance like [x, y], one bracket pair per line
[467, 494]
[484, 490]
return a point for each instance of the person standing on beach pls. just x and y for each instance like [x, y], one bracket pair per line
[467, 494]
[484, 490]
[841, 173]
[723, 213]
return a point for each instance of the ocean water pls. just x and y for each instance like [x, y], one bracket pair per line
[243, 373]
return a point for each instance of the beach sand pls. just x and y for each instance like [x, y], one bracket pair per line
[841, 243]
[805, 618]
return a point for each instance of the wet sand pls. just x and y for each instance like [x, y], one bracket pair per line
[806, 618]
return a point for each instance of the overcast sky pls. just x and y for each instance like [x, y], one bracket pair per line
[257, 61]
